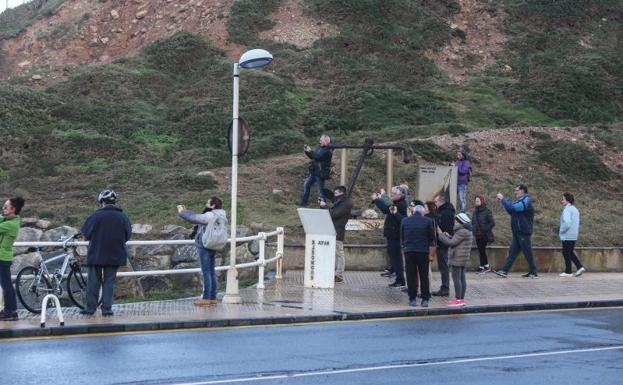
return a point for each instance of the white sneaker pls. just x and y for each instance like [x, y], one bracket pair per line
[579, 272]
[566, 275]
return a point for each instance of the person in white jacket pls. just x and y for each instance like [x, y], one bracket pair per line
[207, 257]
[569, 230]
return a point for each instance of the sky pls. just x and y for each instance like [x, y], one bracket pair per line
[12, 3]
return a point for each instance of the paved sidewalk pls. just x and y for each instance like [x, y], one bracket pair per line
[362, 295]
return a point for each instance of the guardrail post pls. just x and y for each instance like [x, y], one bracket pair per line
[44, 306]
[279, 262]
[260, 268]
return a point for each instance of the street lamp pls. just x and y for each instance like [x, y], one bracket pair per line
[255, 58]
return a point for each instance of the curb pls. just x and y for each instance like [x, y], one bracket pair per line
[285, 320]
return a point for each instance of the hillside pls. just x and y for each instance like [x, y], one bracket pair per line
[137, 95]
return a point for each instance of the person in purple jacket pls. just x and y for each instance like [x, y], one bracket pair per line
[464, 170]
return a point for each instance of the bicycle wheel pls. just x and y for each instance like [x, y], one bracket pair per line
[31, 290]
[77, 287]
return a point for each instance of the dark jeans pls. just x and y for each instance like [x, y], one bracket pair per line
[395, 256]
[523, 243]
[460, 284]
[442, 264]
[481, 243]
[207, 260]
[10, 302]
[417, 265]
[569, 254]
[106, 278]
[307, 188]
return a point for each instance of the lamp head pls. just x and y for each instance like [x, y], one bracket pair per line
[255, 58]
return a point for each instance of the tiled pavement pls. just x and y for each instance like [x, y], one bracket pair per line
[362, 295]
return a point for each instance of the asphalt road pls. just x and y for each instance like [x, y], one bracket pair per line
[566, 347]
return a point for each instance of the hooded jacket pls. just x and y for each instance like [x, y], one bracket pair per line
[483, 222]
[107, 230]
[463, 168]
[460, 244]
[522, 214]
[569, 223]
[9, 227]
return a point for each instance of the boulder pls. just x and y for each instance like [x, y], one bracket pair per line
[23, 260]
[152, 262]
[27, 234]
[370, 214]
[29, 221]
[59, 233]
[141, 14]
[174, 229]
[114, 14]
[127, 286]
[184, 254]
[139, 228]
[190, 284]
[42, 224]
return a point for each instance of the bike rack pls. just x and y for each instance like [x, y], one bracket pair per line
[59, 311]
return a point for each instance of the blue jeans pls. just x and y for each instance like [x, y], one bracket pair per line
[395, 256]
[462, 192]
[207, 260]
[523, 243]
[10, 302]
[106, 278]
[307, 188]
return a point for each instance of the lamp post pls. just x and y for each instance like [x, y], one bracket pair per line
[255, 58]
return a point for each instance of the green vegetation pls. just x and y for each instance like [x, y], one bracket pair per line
[573, 160]
[15, 20]
[250, 17]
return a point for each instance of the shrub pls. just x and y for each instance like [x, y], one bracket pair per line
[15, 20]
[573, 160]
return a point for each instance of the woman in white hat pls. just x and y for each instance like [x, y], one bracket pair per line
[458, 255]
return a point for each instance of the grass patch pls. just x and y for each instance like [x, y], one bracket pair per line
[573, 160]
[15, 20]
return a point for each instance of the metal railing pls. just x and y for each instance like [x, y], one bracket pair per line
[260, 263]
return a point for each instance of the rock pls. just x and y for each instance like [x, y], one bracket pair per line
[141, 14]
[174, 229]
[127, 286]
[152, 283]
[206, 173]
[139, 228]
[23, 64]
[277, 191]
[59, 233]
[370, 214]
[114, 14]
[23, 260]
[42, 224]
[36, 77]
[27, 234]
[191, 283]
[151, 262]
[105, 40]
[29, 221]
[184, 254]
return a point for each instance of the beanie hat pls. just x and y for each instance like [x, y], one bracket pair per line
[462, 218]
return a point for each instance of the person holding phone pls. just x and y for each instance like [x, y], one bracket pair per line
[319, 168]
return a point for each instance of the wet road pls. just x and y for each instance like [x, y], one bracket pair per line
[569, 347]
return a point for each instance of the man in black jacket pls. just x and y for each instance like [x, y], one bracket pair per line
[107, 230]
[340, 213]
[445, 213]
[391, 229]
[319, 168]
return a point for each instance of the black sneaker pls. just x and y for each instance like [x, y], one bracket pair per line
[440, 293]
[397, 284]
[11, 316]
[108, 313]
[530, 275]
[387, 274]
[501, 273]
[86, 312]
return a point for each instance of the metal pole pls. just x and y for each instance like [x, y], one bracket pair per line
[232, 291]
[344, 166]
[390, 170]
[279, 262]
[260, 268]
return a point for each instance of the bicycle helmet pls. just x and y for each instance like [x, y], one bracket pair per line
[108, 196]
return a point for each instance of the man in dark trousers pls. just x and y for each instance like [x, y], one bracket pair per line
[445, 213]
[340, 213]
[417, 236]
[107, 230]
[319, 168]
[391, 229]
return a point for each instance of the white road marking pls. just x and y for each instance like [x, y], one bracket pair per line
[398, 366]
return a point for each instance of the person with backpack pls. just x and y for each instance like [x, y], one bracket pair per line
[319, 168]
[210, 237]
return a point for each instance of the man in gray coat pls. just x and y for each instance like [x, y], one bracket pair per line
[340, 214]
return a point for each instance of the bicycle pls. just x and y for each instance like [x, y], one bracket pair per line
[33, 283]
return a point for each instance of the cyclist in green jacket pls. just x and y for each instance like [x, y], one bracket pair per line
[9, 226]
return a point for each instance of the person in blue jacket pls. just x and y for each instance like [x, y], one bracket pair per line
[107, 230]
[522, 222]
[569, 230]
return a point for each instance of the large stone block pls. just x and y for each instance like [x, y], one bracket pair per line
[23, 260]
[27, 234]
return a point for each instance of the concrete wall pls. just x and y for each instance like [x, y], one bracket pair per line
[548, 259]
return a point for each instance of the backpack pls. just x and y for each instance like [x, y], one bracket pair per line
[214, 235]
